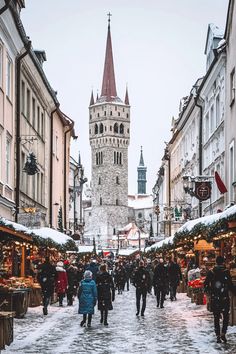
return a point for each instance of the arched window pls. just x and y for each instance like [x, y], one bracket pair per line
[120, 158]
[117, 158]
[114, 157]
[100, 200]
[101, 128]
[99, 180]
[101, 157]
[96, 158]
[116, 128]
[117, 180]
[96, 129]
[122, 128]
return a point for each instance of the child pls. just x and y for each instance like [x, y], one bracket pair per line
[87, 298]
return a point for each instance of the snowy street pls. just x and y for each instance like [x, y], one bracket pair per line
[181, 327]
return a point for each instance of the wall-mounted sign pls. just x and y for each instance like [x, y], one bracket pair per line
[202, 190]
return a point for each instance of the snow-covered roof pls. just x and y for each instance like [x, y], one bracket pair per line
[159, 244]
[208, 220]
[56, 236]
[140, 201]
[85, 249]
[127, 251]
[15, 226]
[127, 227]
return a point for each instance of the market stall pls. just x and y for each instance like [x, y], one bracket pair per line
[6, 329]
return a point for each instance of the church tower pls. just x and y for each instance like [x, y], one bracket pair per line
[109, 135]
[142, 170]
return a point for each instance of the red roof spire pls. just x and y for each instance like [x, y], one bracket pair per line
[109, 83]
[126, 96]
[91, 99]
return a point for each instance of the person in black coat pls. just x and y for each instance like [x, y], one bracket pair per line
[217, 284]
[142, 283]
[175, 276]
[73, 283]
[46, 278]
[106, 293]
[160, 281]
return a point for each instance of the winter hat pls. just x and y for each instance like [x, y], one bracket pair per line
[88, 274]
[60, 264]
[219, 260]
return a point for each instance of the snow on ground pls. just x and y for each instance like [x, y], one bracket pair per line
[181, 327]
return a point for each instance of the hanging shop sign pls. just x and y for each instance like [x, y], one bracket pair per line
[202, 245]
[202, 190]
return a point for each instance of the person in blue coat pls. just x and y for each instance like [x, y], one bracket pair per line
[87, 298]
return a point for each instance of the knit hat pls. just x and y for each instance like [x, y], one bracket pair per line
[88, 274]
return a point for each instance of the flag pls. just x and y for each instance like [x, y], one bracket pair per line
[220, 184]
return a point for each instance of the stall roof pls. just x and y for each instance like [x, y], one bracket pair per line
[15, 230]
[85, 249]
[159, 244]
[127, 251]
[56, 236]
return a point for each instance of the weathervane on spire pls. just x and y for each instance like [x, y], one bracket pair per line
[109, 18]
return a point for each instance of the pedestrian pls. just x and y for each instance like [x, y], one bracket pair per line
[106, 293]
[217, 284]
[93, 267]
[175, 276]
[149, 268]
[46, 278]
[72, 276]
[120, 277]
[61, 282]
[142, 283]
[87, 296]
[160, 282]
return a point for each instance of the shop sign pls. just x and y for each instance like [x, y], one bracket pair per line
[202, 190]
[203, 245]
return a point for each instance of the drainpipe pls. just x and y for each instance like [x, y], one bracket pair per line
[65, 166]
[18, 128]
[5, 7]
[200, 148]
[51, 167]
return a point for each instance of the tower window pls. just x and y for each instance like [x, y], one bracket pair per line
[96, 129]
[118, 114]
[98, 115]
[100, 200]
[117, 202]
[116, 128]
[117, 180]
[110, 128]
[114, 231]
[120, 158]
[99, 180]
[122, 129]
[101, 128]
[117, 158]
[127, 115]
[90, 116]
[128, 130]
[114, 157]
[110, 113]
[105, 113]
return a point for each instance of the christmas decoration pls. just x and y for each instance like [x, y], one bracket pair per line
[31, 167]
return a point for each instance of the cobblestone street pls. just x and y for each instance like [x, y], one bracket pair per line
[181, 327]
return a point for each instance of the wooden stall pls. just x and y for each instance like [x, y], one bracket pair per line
[6, 329]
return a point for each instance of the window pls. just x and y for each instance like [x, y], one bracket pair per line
[117, 180]
[122, 129]
[101, 128]
[38, 119]
[23, 97]
[127, 115]
[117, 202]
[1, 60]
[33, 111]
[100, 200]
[9, 78]
[232, 87]
[96, 129]
[118, 114]
[8, 160]
[116, 128]
[110, 128]
[28, 104]
[110, 113]
[99, 180]
[217, 110]
[105, 113]
[231, 172]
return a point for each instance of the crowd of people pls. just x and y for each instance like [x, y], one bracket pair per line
[96, 281]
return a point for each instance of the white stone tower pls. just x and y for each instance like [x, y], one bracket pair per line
[109, 135]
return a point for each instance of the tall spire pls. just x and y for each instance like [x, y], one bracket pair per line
[141, 161]
[126, 96]
[109, 83]
[91, 99]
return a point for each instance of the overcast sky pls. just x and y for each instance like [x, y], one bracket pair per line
[158, 49]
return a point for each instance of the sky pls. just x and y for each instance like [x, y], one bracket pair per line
[158, 51]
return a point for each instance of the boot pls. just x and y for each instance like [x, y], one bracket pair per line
[45, 310]
[218, 340]
[82, 323]
[223, 338]
[105, 318]
[101, 320]
[89, 320]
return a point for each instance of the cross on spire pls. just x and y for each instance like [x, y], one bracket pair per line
[109, 18]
